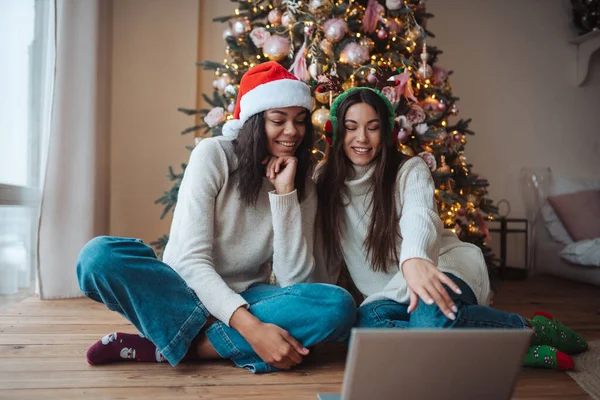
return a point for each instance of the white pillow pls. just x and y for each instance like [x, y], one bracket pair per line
[560, 185]
[585, 252]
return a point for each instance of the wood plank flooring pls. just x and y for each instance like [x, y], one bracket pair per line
[43, 345]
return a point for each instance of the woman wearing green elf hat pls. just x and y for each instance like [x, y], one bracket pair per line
[377, 213]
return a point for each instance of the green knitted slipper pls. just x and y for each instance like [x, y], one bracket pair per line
[547, 330]
[548, 357]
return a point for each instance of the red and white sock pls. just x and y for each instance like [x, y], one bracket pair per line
[119, 346]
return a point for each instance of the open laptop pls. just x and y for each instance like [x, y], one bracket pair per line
[399, 364]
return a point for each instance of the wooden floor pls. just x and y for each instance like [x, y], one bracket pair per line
[43, 344]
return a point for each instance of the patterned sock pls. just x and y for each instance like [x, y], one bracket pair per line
[119, 346]
[547, 330]
[544, 356]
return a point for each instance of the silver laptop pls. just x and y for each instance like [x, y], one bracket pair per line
[399, 364]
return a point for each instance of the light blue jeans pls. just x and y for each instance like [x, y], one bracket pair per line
[391, 314]
[125, 275]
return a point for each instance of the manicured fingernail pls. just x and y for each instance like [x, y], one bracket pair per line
[458, 291]
[430, 301]
[305, 350]
[452, 316]
[454, 308]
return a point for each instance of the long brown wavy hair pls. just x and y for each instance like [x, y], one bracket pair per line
[250, 147]
[384, 230]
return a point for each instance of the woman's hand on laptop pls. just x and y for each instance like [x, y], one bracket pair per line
[426, 281]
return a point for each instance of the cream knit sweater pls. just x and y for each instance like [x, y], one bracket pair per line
[220, 246]
[421, 236]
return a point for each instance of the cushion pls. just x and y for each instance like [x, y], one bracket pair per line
[561, 185]
[579, 212]
[586, 252]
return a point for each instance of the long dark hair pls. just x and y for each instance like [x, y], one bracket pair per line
[384, 227]
[250, 147]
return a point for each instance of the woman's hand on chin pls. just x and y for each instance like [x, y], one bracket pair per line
[281, 171]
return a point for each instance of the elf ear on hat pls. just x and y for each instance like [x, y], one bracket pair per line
[265, 86]
[331, 126]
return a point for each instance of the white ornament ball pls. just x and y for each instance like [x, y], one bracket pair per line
[335, 29]
[274, 17]
[276, 48]
[222, 82]
[240, 27]
[227, 33]
[230, 90]
[231, 107]
[394, 4]
[354, 55]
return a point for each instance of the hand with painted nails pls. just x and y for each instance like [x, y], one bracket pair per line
[281, 171]
[424, 280]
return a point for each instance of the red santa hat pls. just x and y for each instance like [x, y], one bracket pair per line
[265, 86]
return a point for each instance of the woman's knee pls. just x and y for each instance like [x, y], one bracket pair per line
[339, 308]
[97, 260]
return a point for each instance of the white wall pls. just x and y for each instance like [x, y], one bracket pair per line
[513, 73]
[154, 56]
[512, 64]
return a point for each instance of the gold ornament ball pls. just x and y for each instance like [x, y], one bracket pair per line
[444, 169]
[406, 150]
[472, 198]
[327, 47]
[320, 6]
[323, 97]
[319, 118]
[413, 34]
[348, 84]
[367, 42]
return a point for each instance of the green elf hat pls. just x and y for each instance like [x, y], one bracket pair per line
[332, 124]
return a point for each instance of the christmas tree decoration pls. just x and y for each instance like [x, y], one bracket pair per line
[259, 36]
[319, 118]
[424, 70]
[274, 17]
[354, 54]
[227, 33]
[335, 29]
[240, 27]
[326, 47]
[276, 48]
[320, 6]
[333, 45]
[287, 19]
[586, 15]
[315, 69]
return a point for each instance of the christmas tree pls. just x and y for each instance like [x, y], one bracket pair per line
[335, 45]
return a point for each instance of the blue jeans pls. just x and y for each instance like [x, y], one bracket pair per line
[391, 314]
[125, 275]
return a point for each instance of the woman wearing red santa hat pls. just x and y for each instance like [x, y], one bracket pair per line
[246, 207]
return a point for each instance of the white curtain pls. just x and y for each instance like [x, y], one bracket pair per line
[75, 196]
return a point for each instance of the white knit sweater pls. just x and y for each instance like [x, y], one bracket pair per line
[220, 246]
[421, 236]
